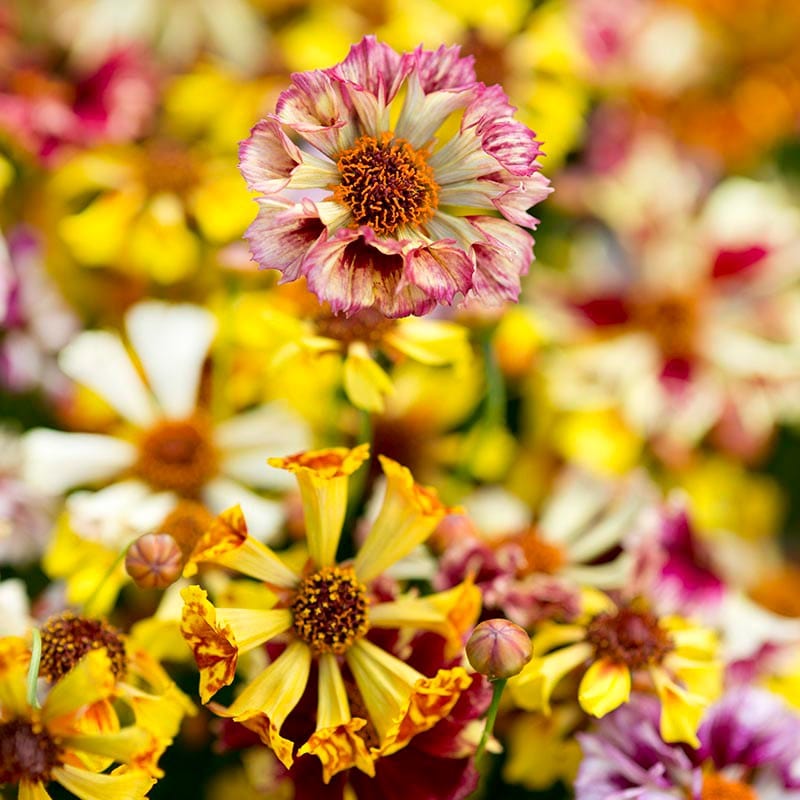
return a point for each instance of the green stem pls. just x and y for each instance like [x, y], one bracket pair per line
[491, 715]
[33, 670]
[108, 573]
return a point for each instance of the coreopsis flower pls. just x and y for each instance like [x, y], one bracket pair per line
[54, 742]
[531, 568]
[370, 704]
[616, 645]
[749, 748]
[377, 207]
[167, 464]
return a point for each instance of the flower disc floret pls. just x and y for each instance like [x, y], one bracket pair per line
[330, 610]
[26, 751]
[630, 637]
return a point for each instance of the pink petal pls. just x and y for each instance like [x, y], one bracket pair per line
[373, 67]
[500, 261]
[514, 202]
[443, 68]
[282, 234]
[267, 157]
[441, 270]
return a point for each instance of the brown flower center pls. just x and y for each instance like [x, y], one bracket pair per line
[177, 456]
[386, 183]
[67, 638]
[367, 326]
[629, 637]
[186, 523]
[330, 610]
[26, 752]
[672, 320]
[541, 556]
[715, 787]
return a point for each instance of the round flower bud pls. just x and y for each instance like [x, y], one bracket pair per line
[499, 649]
[154, 561]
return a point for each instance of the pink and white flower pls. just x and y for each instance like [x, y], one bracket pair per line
[378, 206]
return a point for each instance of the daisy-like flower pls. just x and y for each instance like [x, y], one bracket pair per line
[409, 188]
[323, 616]
[748, 750]
[616, 645]
[52, 743]
[167, 457]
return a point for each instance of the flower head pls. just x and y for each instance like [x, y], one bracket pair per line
[322, 617]
[381, 205]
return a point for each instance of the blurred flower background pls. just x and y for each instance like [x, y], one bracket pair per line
[303, 231]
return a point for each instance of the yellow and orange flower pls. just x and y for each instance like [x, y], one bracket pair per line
[323, 615]
[616, 646]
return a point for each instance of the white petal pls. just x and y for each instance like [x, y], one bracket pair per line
[15, 619]
[264, 517]
[98, 360]
[54, 461]
[249, 439]
[172, 342]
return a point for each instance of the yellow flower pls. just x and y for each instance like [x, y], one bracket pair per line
[617, 645]
[323, 616]
[59, 741]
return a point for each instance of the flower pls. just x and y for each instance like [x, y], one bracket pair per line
[748, 748]
[323, 616]
[376, 208]
[616, 644]
[55, 742]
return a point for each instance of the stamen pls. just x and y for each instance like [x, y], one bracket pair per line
[386, 183]
[67, 638]
[629, 636]
[330, 610]
[26, 752]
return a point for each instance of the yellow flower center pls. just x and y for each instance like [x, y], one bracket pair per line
[715, 787]
[67, 638]
[629, 637]
[386, 183]
[26, 752]
[541, 556]
[177, 456]
[330, 610]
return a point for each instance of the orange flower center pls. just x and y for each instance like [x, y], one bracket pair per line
[177, 456]
[629, 637]
[541, 556]
[67, 638]
[780, 591]
[672, 320]
[715, 787]
[386, 183]
[26, 752]
[330, 610]
[186, 523]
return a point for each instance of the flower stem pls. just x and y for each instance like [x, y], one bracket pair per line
[491, 715]
[33, 670]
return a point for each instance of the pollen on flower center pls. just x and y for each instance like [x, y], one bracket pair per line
[330, 610]
[715, 787]
[177, 456]
[26, 752]
[629, 637]
[67, 638]
[386, 183]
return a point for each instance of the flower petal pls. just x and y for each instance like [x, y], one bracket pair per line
[264, 516]
[86, 785]
[90, 680]
[681, 711]
[365, 382]
[441, 270]
[172, 342]
[604, 687]
[267, 157]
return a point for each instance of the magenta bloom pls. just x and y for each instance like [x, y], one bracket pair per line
[395, 182]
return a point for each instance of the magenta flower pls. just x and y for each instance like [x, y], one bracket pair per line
[395, 182]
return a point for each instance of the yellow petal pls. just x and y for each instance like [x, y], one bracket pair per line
[128, 745]
[213, 644]
[29, 790]
[409, 514]
[322, 476]
[433, 342]
[15, 658]
[252, 627]
[700, 676]
[333, 707]
[681, 711]
[130, 785]
[365, 382]
[90, 680]
[604, 687]
[340, 748]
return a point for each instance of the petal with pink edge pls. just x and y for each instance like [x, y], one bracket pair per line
[503, 257]
[441, 270]
[267, 157]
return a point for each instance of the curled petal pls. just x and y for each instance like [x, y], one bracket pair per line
[500, 261]
[441, 270]
[340, 748]
[267, 157]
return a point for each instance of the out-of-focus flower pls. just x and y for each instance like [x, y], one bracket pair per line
[498, 649]
[323, 616]
[35, 321]
[533, 570]
[749, 747]
[378, 212]
[55, 743]
[617, 644]
[154, 560]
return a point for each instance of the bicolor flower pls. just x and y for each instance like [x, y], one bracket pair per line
[410, 186]
[617, 645]
[323, 616]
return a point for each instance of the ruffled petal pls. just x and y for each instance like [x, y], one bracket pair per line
[267, 157]
[441, 270]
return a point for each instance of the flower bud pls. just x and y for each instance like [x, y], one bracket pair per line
[499, 649]
[154, 561]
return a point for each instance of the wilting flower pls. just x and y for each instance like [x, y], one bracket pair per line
[749, 747]
[377, 207]
[614, 646]
[323, 616]
[55, 742]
